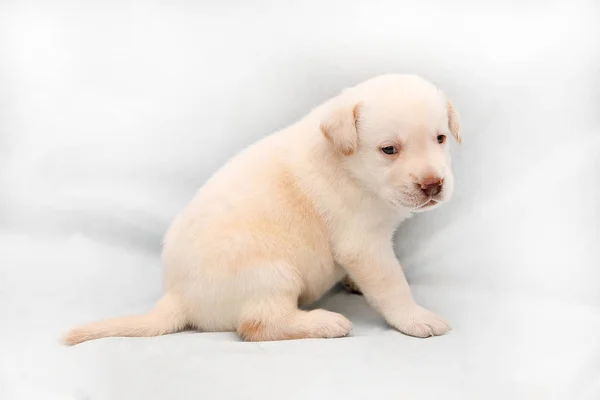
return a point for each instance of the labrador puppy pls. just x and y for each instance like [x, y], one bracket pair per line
[292, 215]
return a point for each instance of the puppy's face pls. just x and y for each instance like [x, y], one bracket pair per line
[392, 134]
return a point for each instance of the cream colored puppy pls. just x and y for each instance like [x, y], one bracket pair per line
[290, 216]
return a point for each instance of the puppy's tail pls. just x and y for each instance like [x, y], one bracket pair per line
[167, 317]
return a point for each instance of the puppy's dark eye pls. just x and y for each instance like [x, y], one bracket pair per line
[389, 150]
[441, 138]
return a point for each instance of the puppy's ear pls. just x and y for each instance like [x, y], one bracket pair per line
[338, 124]
[454, 122]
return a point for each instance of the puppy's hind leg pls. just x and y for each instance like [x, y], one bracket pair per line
[280, 318]
[270, 310]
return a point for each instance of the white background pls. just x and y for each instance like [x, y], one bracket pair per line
[113, 113]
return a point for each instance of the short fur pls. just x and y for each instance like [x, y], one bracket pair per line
[292, 215]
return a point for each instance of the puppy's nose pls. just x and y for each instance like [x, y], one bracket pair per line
[431, 185]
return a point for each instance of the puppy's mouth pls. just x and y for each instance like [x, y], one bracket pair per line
[429, 203]
[425, 204]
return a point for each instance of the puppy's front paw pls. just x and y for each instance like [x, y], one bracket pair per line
[420, 322]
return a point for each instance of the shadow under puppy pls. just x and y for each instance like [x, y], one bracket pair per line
[292, 215]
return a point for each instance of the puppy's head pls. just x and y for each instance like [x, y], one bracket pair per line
[391, 134]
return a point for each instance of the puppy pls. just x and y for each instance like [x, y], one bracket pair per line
[290, 216]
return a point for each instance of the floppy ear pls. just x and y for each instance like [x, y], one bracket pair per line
[338, 124]
[454, 122]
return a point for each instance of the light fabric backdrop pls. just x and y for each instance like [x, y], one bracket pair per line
[113, 113]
